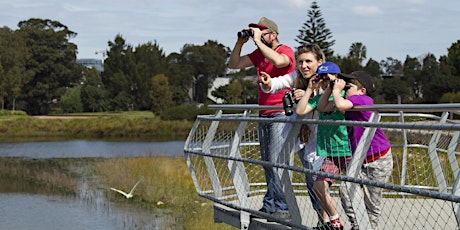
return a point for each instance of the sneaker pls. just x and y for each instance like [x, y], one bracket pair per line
[336, 224]
[264, 210]
[260, 210]
[322, 225]
[282, 215]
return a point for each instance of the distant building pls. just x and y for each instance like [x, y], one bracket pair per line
[219, 81]
[92, 63]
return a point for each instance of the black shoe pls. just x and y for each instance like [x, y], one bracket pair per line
[260, 210]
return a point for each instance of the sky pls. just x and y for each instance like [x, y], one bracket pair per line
[388, 28]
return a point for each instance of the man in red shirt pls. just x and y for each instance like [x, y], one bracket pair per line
[275, 59]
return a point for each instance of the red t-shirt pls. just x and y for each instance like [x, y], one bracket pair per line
[262, 64]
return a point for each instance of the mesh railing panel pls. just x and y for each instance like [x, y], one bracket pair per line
[418, 194]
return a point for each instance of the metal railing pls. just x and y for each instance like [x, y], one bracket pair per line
[222, 153]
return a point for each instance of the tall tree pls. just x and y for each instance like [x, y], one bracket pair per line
[149, 60]
[435, 83]
[52, 62]
[200, 66]
[117, 76]
[391, 67]
[373, 68]
[412, 75]
[179, 78]
[13, 74]
[314, 31]
[453, 58]
[358, 52]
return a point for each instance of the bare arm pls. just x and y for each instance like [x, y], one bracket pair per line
[277, 59]
[302, 106]
[341, 103]
[236, 61]
[324, 105]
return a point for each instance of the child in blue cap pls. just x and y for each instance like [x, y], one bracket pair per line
[331, 141]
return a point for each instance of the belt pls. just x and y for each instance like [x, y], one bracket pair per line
[376, 156]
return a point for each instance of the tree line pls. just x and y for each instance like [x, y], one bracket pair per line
[39, 73]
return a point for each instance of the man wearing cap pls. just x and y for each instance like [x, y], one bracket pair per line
[275, 59]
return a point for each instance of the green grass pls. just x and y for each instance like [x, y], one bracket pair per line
[133, 124]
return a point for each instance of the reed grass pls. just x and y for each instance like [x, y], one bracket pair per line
[166, 183]
[44, 176]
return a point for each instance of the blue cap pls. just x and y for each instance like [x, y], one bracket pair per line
[328, 67]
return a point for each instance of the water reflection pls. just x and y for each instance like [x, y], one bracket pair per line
[85, 148]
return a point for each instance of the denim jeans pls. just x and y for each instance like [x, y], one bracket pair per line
[271, 141]
[310, 178]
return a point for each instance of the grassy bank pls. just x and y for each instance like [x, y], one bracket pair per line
[94, 125]
[166, 183]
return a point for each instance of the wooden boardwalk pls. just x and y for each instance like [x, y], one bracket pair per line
[404, 213]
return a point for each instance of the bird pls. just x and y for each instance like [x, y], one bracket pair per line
[127, 195]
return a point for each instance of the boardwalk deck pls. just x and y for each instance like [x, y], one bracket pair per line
[413, 211]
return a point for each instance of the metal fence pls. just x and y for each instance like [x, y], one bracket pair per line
[222, 153]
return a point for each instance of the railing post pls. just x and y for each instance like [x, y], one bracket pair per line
[238, 173]
[432, 151]
[187, 156]
[454, 165]
[207, 143]
[404, 159]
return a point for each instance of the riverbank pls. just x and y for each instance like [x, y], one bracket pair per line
[94, 125]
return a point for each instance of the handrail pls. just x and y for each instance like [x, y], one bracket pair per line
[222, 154]
[425, 108]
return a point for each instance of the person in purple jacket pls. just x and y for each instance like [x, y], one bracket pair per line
[378, 164]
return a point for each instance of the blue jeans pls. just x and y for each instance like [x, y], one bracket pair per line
[310, 180]
[271, 141]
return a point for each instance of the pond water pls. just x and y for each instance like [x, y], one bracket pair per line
[87, 148]
[89, 208]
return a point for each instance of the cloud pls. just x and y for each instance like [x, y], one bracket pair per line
[300, 3]
[415, 1]
[367, 10]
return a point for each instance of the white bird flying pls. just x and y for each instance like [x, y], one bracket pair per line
[127, 195]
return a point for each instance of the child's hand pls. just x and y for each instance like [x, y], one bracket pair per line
[314, 82]
[339, 84]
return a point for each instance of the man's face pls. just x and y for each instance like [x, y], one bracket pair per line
[267, 37]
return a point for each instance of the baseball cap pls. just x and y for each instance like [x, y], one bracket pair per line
[328, 67]
[265, 23]
[363, 77]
